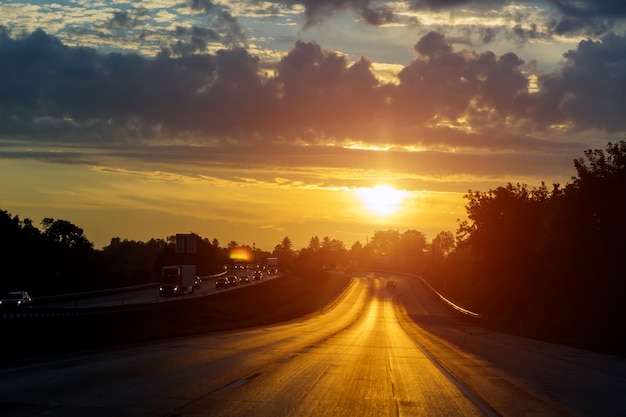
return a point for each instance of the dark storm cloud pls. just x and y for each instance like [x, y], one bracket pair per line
[377, 16]
[51, 91]
[445, 84]
[220, 17]
[433, 44]
[586, 17]
[588, 91]
[573, 8]
[126, 19]
[192, 40]
[316, 11]
[442, 4]
[234, 35]
[202, 5]
[121, 19]
[48, 86]
[591, 8]
[592, 17]
[525, 34]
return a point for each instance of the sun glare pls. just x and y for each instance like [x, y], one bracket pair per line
[382, 199]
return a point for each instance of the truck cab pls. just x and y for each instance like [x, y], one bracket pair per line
[178, 280]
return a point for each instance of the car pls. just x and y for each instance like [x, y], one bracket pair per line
[244, 279]
[391, 284]
[257, 276]
[197, 284]
[234, 280]
[222, 282]
[16, 299]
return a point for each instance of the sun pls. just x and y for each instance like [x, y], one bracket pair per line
[382, 200]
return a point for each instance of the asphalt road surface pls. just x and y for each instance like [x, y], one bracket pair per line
[374, 352]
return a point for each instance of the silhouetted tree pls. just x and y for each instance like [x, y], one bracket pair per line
[284, 251]
[361, 255]
[443, 244]
[65, 233]
[385, 243]
[547, 262]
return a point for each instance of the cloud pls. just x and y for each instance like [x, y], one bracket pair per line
[587, 17]
[567, 16]
[220, 17]
[591, 8]
[202, 5]
[317, 11]
[124, 19]
[442, 4]
[444, 85]
[432, 45]
[588, 92]
[192, 40]
[60, 94]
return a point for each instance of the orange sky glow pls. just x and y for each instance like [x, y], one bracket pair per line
[254, 121]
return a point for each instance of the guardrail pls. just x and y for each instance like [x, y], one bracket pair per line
[449, 303]
[109, 291]
[60, 313]
[44, 312]
[95, 293]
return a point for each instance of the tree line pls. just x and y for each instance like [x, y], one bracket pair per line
[57, 258]
[547, 261]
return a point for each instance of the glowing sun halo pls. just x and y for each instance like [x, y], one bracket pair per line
[382, 200]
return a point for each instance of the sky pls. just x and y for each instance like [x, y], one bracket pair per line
[251, 121]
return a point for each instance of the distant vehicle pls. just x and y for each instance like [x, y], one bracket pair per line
[391, 284]
[222, 282]
[257, 276]
[198, 284]
[244, 279]
[233, 280]
[350, 269]
[15, 300]
[178, 280]
[271, 265]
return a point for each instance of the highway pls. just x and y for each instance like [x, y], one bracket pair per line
[374, 352]
[141, 295]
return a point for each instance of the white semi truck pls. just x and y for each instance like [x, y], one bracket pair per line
[178, 280]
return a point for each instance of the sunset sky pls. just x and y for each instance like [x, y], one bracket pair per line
[250, 121]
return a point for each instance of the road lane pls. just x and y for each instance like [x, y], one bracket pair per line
[515, 375]
[159, 378]
[372, 368]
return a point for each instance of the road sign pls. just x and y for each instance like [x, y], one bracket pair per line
[185, 243]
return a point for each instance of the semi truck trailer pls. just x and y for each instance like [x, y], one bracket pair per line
[271, 266]
[178, 280]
